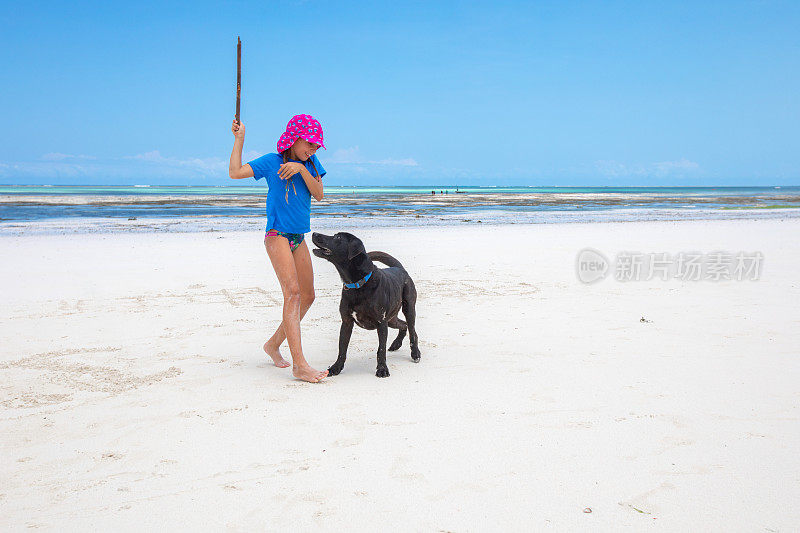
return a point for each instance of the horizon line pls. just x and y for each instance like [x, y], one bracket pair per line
[431, 185]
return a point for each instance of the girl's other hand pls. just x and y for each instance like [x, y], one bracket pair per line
[287, 170]
[237, 130]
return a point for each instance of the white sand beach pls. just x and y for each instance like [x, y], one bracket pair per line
[134, 394]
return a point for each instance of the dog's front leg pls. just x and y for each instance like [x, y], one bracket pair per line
[344, 340]
[383, 334]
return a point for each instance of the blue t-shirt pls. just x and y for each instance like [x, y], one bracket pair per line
[293, 216]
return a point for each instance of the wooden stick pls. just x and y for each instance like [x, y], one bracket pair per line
[238, 77]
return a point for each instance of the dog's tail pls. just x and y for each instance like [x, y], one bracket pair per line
[386, 259]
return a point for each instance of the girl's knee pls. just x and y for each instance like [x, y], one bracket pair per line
[291, 292]
[307, 297]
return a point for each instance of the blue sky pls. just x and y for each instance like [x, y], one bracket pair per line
[500, 93]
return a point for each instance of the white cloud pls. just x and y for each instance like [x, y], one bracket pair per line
[154, 157]
[49, 169]
[208, 165]
[146, 166]
[155, 167]
[670, 167]
[408, 162]
[250, 155]
[613, 168]
[345, 156]
[57, 156]
[677, 168]
[352, 156]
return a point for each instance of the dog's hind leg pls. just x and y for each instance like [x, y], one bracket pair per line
[410, 312]
[383, 334]
[396, 323]
[344, 340]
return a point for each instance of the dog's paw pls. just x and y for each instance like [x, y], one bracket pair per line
[415, 355]
[334, 370]
[383, 372]
[396, 345]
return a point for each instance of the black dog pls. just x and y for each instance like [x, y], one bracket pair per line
[371, 296]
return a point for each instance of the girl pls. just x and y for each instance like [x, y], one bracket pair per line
[293, 175]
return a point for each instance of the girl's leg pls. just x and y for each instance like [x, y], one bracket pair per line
[284, 265]
[305, 278]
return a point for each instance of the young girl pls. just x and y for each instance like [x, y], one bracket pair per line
[294, 175]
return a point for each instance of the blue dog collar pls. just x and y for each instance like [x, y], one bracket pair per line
[358, 284]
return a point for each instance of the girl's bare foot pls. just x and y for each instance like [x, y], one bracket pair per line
[275, 353]
[306, 373]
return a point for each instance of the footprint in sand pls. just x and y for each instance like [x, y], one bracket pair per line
[353, 419]
[400, 469]
[291, 466]
[642, 503]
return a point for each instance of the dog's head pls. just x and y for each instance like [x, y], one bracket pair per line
[339, 249]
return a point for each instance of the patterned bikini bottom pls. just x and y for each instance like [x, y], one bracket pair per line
[294, 238]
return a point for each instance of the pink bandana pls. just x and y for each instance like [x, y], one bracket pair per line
[301, 126]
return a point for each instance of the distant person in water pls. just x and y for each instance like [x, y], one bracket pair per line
[294, 175]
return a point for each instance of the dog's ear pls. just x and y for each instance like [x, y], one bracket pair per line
[354, 249]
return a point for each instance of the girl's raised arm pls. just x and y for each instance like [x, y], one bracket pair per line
[235, 169]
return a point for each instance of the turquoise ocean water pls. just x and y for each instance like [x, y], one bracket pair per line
[400, 190]
[117, 208]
